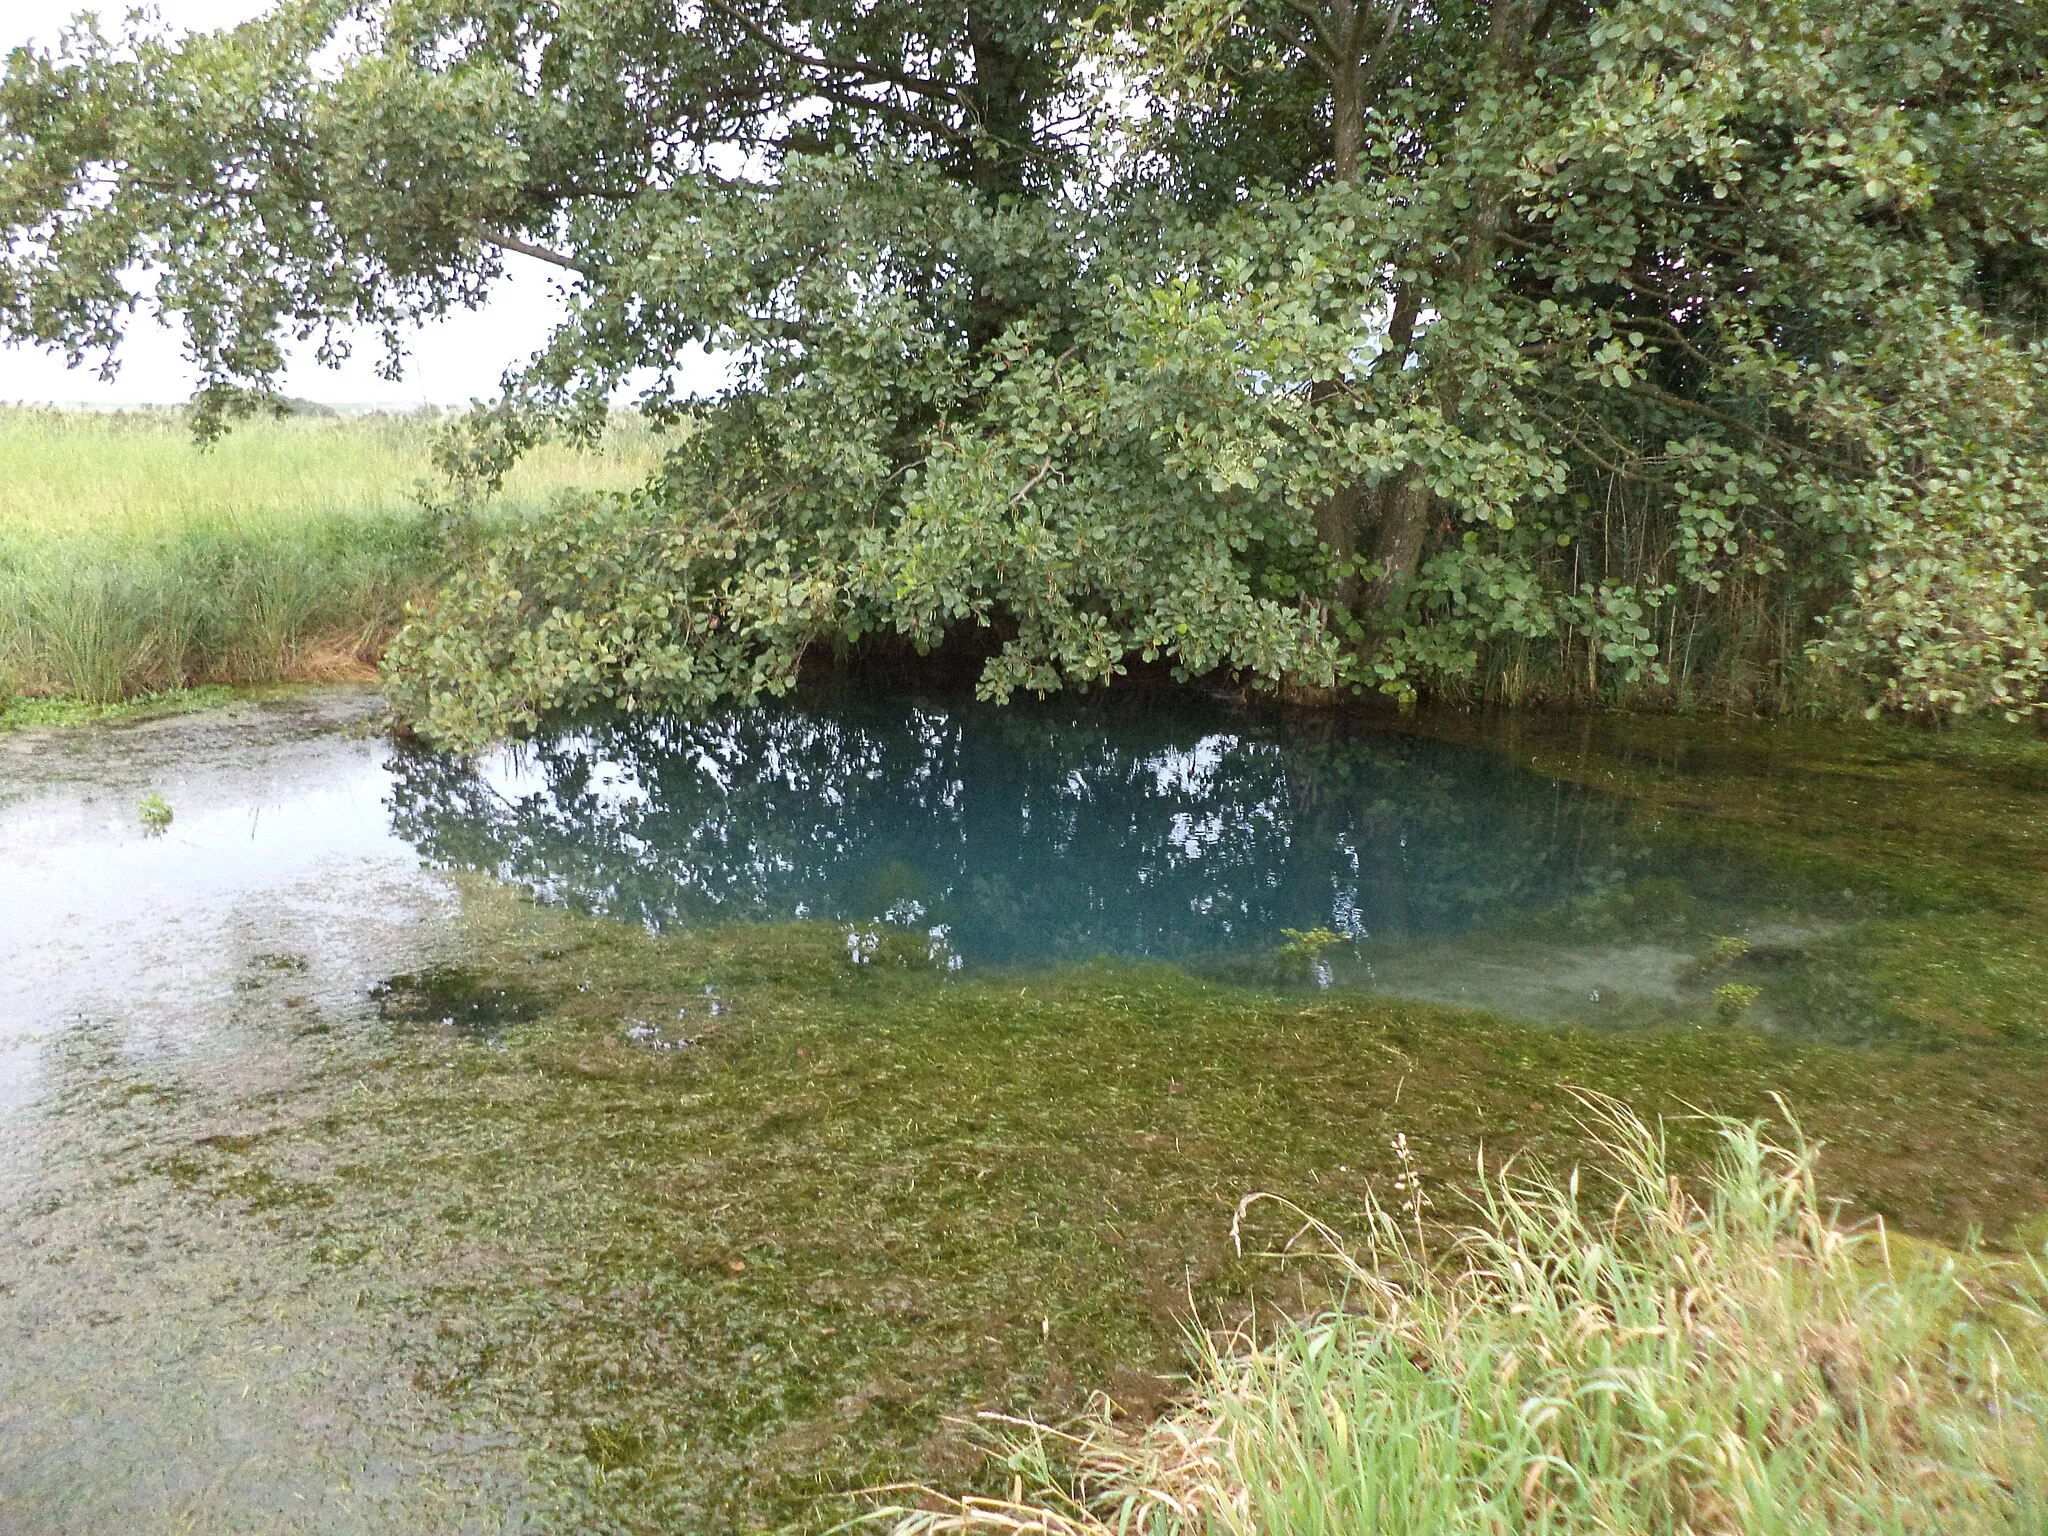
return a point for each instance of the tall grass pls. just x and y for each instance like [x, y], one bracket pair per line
[130, 561]
[1611, 1355]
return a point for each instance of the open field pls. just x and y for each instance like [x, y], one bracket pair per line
[133, 561]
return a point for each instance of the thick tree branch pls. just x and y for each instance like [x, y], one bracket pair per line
[506, 242]
[864, 70]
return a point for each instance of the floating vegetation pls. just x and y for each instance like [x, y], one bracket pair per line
[452, 995]
[722, 1286]
[1732, 999]
[1724, 952]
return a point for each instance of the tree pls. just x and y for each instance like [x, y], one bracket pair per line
[1526, 346]
[1699, 287]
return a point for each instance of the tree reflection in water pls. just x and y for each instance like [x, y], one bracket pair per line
[1034, 831]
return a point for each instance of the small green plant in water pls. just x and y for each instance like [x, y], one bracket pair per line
[1732, 1000]
[1724, 951]
[1720, 954]
[1308, 944]
[1303, 953]
[154, 811]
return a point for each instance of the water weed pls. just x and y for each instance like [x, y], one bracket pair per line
[27, 713]
[1732, 1000]
[717, 1228]
[705, 1226]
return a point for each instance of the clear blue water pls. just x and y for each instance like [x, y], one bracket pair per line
[1129, 826]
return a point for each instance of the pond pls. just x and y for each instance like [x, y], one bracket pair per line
[1170, 828]
[1028, 833]
[684, 1124]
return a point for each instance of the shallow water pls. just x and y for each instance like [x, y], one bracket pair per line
[150, 1372]
[341, 1190]
[280, 842]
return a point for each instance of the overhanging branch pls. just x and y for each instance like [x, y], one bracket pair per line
[506, 242]
[863, 71]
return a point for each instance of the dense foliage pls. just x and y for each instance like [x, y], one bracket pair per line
[1671, 348]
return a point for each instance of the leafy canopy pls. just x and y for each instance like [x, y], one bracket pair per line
[1528, 346]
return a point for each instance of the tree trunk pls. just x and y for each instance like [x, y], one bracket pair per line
[1337, 526]
[1337, 519]
[1404, 501]
[999, 105]
[1406, 505]
[1405, 508]
[1347, 94]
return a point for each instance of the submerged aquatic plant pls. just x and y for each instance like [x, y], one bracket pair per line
[1304, 948]
[1733, 999]
[1592, 1357]
[1724, 951]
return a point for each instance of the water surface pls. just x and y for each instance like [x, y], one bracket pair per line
[1033, 832]
[1178, 828]
[666, 1125]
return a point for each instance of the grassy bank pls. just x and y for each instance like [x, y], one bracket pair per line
[132, 562]
[1603, 1355]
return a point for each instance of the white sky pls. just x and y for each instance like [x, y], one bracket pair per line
[451, 362]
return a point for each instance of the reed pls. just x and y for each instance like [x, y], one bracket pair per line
[1588, 1354]
[131, 561]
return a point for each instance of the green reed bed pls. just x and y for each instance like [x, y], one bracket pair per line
[131, 561]
[1600, 1354]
